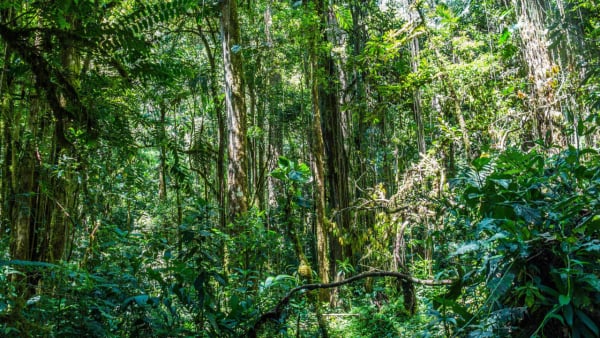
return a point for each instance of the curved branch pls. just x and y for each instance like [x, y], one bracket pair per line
[275, 314]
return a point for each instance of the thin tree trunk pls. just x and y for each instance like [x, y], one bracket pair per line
[162, 166]
[318, 150]
[214, 92]
[412, 16]
[417, 106]
[5, 140]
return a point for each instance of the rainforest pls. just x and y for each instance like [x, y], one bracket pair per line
[300, 168]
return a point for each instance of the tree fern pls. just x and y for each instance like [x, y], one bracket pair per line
[127, 31]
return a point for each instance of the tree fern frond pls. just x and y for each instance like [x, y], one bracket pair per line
[127, 32]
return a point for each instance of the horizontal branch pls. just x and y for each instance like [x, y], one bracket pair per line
[275, 314]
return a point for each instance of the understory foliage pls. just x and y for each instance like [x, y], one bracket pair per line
[231, 168]
[524, 256]
[531, 249]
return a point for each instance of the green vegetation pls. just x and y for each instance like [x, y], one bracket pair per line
[304, 168]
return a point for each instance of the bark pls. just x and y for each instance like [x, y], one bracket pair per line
[5, 140]
[236, 109]
[412, 16]
[23, 189]
[417, 106]
[41, 189]
[214, 92]
[532, 20]
[358, 155]
[337, 175]
[318, 150]
[65, 192]
[162, 166]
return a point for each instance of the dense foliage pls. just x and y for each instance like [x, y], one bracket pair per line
[299, 168]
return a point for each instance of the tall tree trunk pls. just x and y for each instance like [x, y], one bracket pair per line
[417, 106]
[532, 20]
[412, 16]
[358, 155]
[61, 202]
[25, 210]
[222, 127]
[337, 174]
[318, 151]
[41, 199]
[236, 109]
[5, 139]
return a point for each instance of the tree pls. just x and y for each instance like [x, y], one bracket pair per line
[235, 105]
[542, 69]
[178, 168]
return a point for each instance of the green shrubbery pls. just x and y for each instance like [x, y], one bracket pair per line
[532, 222]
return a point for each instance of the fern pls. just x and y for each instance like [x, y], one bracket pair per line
[477, 175]
[127, 32]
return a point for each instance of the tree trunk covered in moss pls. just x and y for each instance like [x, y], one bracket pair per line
[318, 152]
[337, 174]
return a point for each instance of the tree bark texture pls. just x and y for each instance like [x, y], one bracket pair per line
[337, 175]
[532, 22]
[236, 109]
[318, 151]
[222, 127]
[411, 15]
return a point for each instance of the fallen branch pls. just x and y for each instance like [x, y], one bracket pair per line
[275, 314]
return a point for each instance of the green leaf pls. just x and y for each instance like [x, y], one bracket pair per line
[278, 174]
[283, 162]
[592, 280]
[465, 248]
[343, 16]
[18, 262]
[588, 322]
[590, 246]
[591, 223]
[480, 162]
[33, 300]
[504, 183]
[280, 278]
[568, 314]
[499, 286]
[139, 300]
[297, 176]
[564, 299]
[268, 282]
[120, 232]
[504, 37]
[552, 315]
[487, 224]
[529, 214]
[303, 202]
